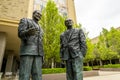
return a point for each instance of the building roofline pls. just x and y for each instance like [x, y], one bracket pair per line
[8, 22]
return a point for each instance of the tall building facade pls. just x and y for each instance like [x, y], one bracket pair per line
[11, 11]
[65, 7]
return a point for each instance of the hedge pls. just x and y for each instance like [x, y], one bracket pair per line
[53, 70]
[111, 66]
[87, 68]
[61, 70]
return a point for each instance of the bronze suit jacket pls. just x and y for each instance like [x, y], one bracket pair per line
[30, 44]
[73, 44]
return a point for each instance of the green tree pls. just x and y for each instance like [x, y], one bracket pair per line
[53, 25]
[101, 49]
[105, 49]
[89, 55]
[114, 42]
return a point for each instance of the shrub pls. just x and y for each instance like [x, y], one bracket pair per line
[54, 70]
[87, 68]
[61, 70]
[96, 67]
[112, 66]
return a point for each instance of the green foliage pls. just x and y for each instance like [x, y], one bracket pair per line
[54, 70]
[107, 66]
[61, 70]
[96, 67]
[87, 68]
[107, 47]
[89, 55]
[77, 25]
[53, 25]
[114, 40]
[111, 66]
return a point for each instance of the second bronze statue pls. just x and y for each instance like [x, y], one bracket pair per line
[72, 50]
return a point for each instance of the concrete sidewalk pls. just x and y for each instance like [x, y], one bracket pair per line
[108, 77]
[103, 75]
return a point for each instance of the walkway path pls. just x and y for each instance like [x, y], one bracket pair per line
[103, 75]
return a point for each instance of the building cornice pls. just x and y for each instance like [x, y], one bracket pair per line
[8, 22]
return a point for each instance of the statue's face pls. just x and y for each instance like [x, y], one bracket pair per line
[37, 15]
[68, 22]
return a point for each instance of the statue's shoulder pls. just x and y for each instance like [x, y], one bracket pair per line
[24, 20]
[62, 34]
[75, 30]
[81, 31]
[78, 30]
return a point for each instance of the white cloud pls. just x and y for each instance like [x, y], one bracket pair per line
[95, 14]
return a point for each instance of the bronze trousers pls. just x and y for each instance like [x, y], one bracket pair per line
[30, 66]
[74, 68]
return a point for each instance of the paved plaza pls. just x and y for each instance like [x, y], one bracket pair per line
[103, 75]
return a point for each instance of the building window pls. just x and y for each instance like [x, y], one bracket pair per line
[62, 2]
[39, 4]
[63, 11]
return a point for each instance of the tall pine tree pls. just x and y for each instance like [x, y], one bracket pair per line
[53, 25]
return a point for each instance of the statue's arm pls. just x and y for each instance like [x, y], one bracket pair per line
[41, 33]
[83, 46]
[22, 29]
[61, 46]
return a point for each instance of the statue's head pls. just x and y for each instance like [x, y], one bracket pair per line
[37, 15]
[68, 23]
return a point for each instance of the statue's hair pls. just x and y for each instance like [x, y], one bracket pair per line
[68, 20]
[37, 11]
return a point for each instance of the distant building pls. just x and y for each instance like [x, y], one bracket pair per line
[95, 40]
[65, 7]
[11, 11]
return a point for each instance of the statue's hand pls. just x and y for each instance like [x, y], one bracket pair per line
[32, 31]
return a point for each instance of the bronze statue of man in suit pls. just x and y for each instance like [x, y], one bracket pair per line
[31, 49]
[72, 50]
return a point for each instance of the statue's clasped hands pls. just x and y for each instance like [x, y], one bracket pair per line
[32, 31]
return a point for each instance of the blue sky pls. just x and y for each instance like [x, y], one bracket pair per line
[97, 14]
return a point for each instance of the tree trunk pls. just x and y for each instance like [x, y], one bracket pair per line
[92, 63]
[110, 61]
[52, 64]
[87, 63]
[55, 65]
[101, 63]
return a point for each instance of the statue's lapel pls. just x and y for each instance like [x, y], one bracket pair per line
[68, 34]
